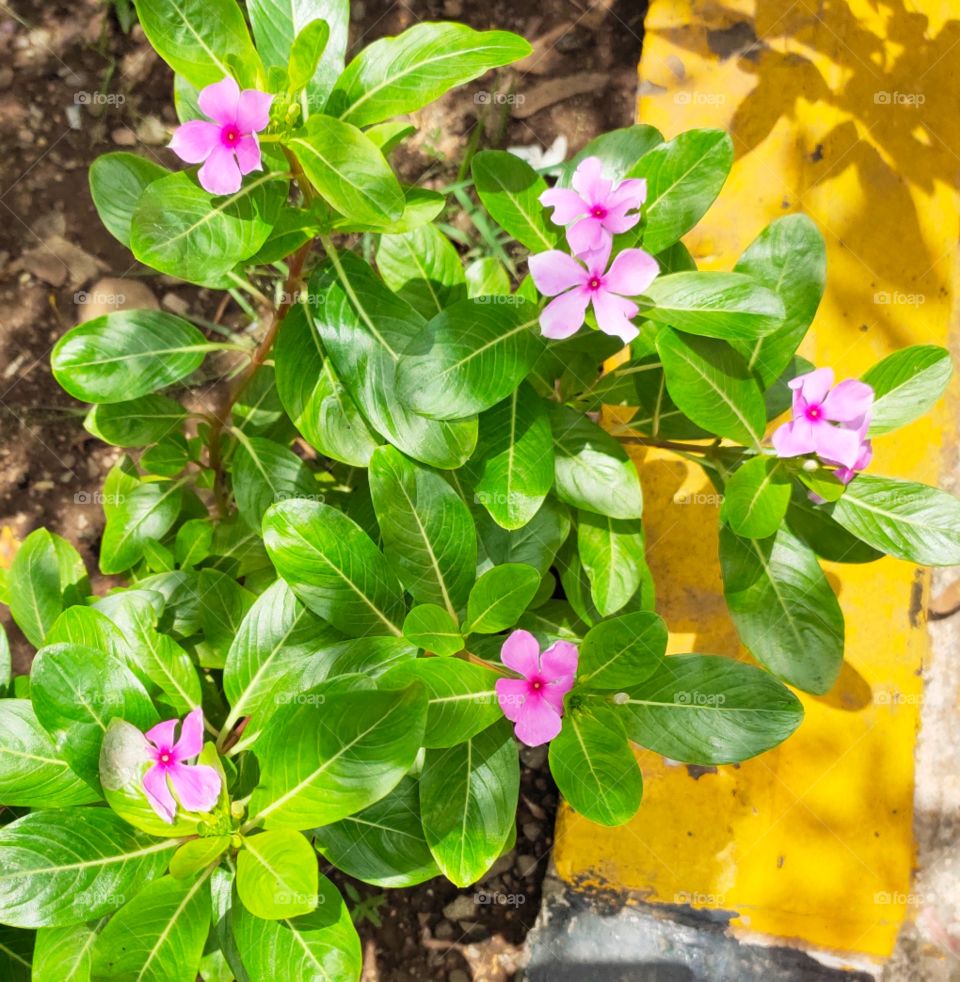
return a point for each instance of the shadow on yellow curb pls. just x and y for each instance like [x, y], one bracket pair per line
[846, 111]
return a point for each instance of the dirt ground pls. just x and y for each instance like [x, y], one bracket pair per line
[73, 85]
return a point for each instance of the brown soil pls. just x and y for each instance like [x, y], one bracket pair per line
[73, 85]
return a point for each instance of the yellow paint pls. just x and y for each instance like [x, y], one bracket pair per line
[812, 841]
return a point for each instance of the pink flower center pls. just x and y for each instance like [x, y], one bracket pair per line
[164, 757]
[813, 412]
[595, 282]
[598, 211]
[230, 135]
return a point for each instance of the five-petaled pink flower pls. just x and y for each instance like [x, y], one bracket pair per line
[597, 207]
[829, 422]
[577, 283]
[535, 702]
[228, 147]
[196, 786]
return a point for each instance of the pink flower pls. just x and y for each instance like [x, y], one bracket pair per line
[197, 786]
[597, 208]
[228, 147]
[586, 281]
[829, 422]
[535, 702]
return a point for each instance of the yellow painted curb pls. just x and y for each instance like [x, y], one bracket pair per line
[846, 112]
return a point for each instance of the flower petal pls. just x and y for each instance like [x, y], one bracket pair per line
[587, 235]
[158, 794]
[630, 193]
[248, 154]
[194, 141]
[837, 445]
[849, 401]
[191, 736]
[564, 315]
[219, 101]
[589, 181]
[511, 695]
[560, 660]
[521, 652]
[631, 273]
[566, 204]
[161, 735]
[814, 386]
[555, 691]
[253, 110]
[220, 174]
[539, 722]
[555, 271]
[794, 438]
[197, 787]
[614, 314]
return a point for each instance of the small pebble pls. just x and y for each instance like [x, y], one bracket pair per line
[527, 865]
[461, 906]
[443, 931]
[532, 830]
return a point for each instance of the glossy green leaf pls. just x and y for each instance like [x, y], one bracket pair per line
[469, 357]
[196, 854]
[146, 513]
[536, 544]
[137, 422]
[400, 74]
[430, 627]
[613, 557]
[499, 597]
[620, 150]
[306, 51]
[906, 385]
[486, 276]
[116, 182]
[65, 954]
[622, 651]
[321, 761]
[130, 353]
[594, 766]
[428, 532]
[16, 951]
[756, 497]
[704, 709]
[265, 472]
[712, 385]
[823, 535]
[784, 608]
[277, 875]
[334, 567]
[468, 802]
[422, 267]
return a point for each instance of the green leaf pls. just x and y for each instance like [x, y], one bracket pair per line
[510, 190]
[145, 513]
[430, 627]
[730, 306]
[158, 935]
[536, 544]
[312, 774]
[594, 766]
[683, 176]
[593, 471]
[196, 854]
[322, 945]
[116, 182]
[784, 608]
[184, 231]
[756, 497]
[314, 397]
[277, 875]
[76, 691]
[399, 74]
[462, 700]
[348, 170]
[423, 268]
[906, 385]
[16, 950]
[306, 51]
[65, 867]
[276, 642]
[202, 40]
[499, 597]
[613, 557]
[265, 472]
[46, 575]
[513, 467]
[468, 802]
[276, 25]
[711, 384]
[486, 276]
[137, 422]
[364, 328]
[620, 150]
[221, 605]
[469, 357]
[65, 954]
[168, 457]
[126, 354]
[428, 534]
[333, 567]
[622, 651]
[383, 844]
[823, 535]
[789, 257]
[32, 773]
[902, 518]
[420, 205]
[704, 709]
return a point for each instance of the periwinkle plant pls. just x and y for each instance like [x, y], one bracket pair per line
[354, 634]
